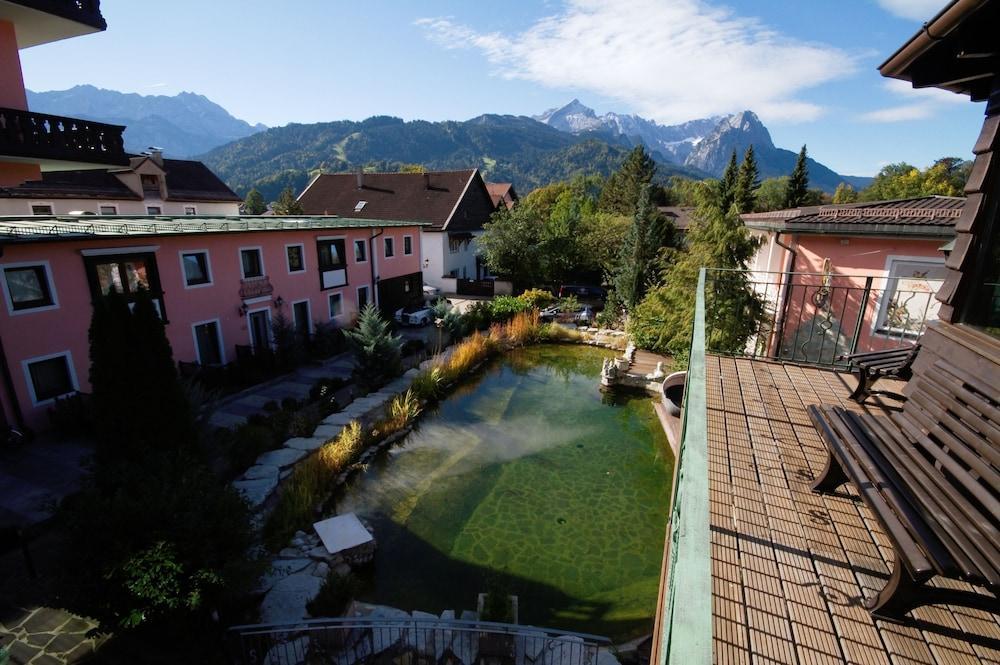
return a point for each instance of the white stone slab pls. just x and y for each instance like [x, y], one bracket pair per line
[340, 419]
[305, 443]
[259, 471]
[281, 457]
[342, 533]
[326, 432]
[256, 491]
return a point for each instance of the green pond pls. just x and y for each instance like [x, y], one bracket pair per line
[528, 478]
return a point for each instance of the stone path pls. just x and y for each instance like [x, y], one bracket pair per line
[234, 411]
[45, 636]
[36, 475]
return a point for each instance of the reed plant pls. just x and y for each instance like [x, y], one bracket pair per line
[403, 410]
[553, 332]
[310, 483]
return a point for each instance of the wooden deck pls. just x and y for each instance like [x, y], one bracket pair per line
[790, 568]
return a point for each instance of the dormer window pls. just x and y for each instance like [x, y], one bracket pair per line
[359, 206]
[150, 183]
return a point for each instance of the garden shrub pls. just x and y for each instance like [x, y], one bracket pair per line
[334, 596]
[479, 315]
[537, 298]
[327, 339]
[376, 350]
[72, 415]
[428, 385]
[503, 308]
[569, 304]
[247, 442]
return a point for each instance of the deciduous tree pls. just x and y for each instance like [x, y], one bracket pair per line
[254, 203]
[287, 204]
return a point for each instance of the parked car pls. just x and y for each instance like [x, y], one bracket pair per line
[582, 316]
[418, 314]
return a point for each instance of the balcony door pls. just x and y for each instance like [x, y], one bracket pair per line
[259, 323]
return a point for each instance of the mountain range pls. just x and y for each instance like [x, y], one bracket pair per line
[184, 125]
[528, 151]
[702, 145]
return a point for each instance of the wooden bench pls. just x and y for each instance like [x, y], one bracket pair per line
[931, 475]
[874, 365]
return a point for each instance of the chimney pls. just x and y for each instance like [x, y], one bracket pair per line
[427, 180]
[361, 179]
[156, 154]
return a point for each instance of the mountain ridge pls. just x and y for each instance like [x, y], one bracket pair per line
[185, 124]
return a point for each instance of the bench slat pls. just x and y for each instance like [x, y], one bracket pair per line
[836, 434]
[905, 350]
[989, 449]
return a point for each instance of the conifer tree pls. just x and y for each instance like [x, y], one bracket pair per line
[377, 352]
[287, 204]
[649, 233]
[727, 185]
[747, 182]
[798, 182]
[620, 195]
[254, 203]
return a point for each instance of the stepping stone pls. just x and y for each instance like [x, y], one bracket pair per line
[286, 601]
[337, 419]
[240, 409]
[259, 471]
[342, 532]
[283, 457]
[326, 432]
[256, 491]
[411, 373]
[257, 401]
[305, 443]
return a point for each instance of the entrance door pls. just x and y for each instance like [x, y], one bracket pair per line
[300, 319]
[260, 330]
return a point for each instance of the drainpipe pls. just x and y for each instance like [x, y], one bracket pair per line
[371, 263]
[783, 297]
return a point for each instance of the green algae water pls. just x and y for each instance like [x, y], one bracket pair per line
[527, 476]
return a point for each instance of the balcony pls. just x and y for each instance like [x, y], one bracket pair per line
[57, 142]
[255, 287]
[43, 21]
[759, 568]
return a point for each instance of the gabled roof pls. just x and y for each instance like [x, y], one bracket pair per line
[187, 180]
[498, 190]
[432, 197]
[679, 215]
[922, 216]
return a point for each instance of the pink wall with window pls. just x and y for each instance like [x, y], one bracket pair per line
[822, 314]
[57, 322]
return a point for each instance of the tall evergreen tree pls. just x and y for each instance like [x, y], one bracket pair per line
[649, 233]
[798, 182]
[727, 185]
[377, 354]
[254, 203]
[620, 195]
[287, 204]
[747, 183]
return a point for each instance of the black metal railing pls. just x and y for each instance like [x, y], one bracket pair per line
[347, 641]
[43, 136]
[82, 11]
[815, 318]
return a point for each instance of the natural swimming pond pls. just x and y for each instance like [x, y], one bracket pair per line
[531, 476]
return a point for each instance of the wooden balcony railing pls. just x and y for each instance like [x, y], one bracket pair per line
[42, 136]
[87, 12]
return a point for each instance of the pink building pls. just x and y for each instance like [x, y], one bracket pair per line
[859, 276]
[218, 283]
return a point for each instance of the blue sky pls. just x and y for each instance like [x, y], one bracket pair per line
[808, 68]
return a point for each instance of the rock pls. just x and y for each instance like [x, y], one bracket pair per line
[337, 419]
[283, 457]
[322, 569]
[259, 471]
[469, 615]
[448, 615]
[289, 653]
[305, 443]
[327, 432]
[286, 601]
[342, 569]
[320, 554]
[256, 491]
[280, 569]
[290, 553]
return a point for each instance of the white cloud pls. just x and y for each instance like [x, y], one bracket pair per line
[669, 61]
[917, 10]
[921, 103]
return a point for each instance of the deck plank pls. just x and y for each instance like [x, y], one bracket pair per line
[791, 567]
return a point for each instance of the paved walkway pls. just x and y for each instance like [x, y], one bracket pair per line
[35, 476]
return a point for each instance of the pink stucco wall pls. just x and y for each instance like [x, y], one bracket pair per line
[30, 334]
[851, 261]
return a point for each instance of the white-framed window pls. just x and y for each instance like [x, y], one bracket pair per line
[208, 342]
[336, 301]
[331, 255]
[190, 210]
[362, 297]
[107, 209]
[908, 301]
[390, 247]
[41, 209]
[295, 258]
[302, 318]
[407, 245]
[361, 251]
[154, 210]
[454, 245]
[29, 287]
[196, 267]
[50, 376]
[251, 262]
